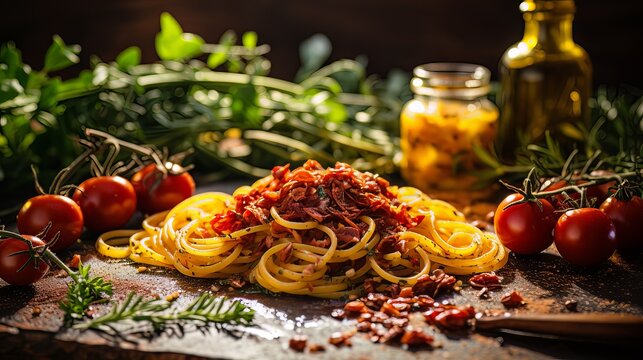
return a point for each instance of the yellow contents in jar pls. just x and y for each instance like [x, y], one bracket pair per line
[437, 139]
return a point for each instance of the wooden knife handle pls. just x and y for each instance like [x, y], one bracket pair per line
[586, 325]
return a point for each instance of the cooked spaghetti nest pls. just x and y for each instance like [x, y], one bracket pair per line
[176, 239]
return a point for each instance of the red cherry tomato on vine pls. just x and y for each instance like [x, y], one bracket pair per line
[107, 202]
[627, 216]
[585, 236]
[524, 228]
[64, 214]
[157, 192]
[10, 264]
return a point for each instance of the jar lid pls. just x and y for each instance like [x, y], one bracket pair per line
[451, 80]
[550, 6]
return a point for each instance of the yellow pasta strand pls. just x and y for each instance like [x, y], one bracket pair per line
[181, 239]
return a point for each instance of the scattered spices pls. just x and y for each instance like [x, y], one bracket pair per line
[298, 342]
[215, 288]
[433, 284]
[173, 296]
[141, 269]
[487, 280]
[354, 306]
[341, 338]
[512, 299]
[571, 305]
[384, 318]
[416, 337]
[313, 348]
[237, 283]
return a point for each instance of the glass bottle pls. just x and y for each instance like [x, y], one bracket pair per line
[439, 127]
[545, 81]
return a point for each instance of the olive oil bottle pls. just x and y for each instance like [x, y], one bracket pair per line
[545, 81]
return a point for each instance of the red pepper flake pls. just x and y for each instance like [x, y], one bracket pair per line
[392, 334]
[285, 254]
[434, 284]
[406, 292]
[487, 280]
[416, 337]
[454, 318]
[74, 262]
[354, 307]
[389, 309]
[364, 326]
[298, 343]
[338, 314]
[341, 338]
[512, 299]
[314, 348]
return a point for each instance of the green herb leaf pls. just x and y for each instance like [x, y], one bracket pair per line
[129, 57]
[59, 55]
[217, 58]
[313, 53]
[84, 291]
[173, 44]
[220, 56]
[48, 94]
[249, 40]
[9, 89]
[205, 309]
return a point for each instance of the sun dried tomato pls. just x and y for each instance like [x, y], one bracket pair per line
[489, 280]
[433, 284]
[453, 318]
[512, 299]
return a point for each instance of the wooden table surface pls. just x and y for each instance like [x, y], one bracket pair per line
[545, 281]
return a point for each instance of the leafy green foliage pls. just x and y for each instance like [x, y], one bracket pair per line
[129, 57]
[239, 120]
[173, 44]
[206, 309]
[84, 291]
[614, 141]
[313, 52]
[60, 56]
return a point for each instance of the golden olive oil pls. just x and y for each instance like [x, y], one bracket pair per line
[545, 81]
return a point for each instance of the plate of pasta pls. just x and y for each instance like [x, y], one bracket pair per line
[311, 231]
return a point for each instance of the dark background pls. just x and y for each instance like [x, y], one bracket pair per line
[392, 34]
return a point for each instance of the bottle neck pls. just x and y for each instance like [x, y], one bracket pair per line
[551, 32]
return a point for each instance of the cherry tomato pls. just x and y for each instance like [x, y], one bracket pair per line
[524, 228]
[157, 192]
[585, 236]
[63, 213]
[627, 216]
[107, 202]
[10, 264]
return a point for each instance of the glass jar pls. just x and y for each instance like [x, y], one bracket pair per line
[440, 126]
[545, 82]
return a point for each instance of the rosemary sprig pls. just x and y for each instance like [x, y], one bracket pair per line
[83, 292]
[204, 310]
